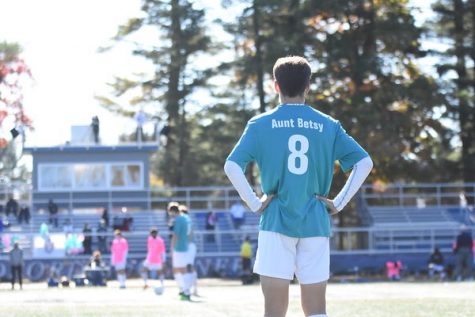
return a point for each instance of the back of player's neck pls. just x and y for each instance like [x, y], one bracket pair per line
[292, 100]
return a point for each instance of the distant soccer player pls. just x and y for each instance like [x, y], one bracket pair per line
[119, 251]
[190, 266]
[156, 256]
[295, 147]
[179, 247]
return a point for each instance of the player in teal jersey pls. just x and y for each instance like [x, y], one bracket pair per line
[179, 247]
[295, 147]
[191, 274]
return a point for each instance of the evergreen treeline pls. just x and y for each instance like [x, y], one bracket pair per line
[417, 125]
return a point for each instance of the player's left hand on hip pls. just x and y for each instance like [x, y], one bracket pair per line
[266, 199]
[330, 205]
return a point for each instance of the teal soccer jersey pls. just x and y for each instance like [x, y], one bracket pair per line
[180, 229]
[295, 147]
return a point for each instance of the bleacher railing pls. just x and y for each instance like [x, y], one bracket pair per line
[204, 197]
[425, 194]
[221, 197]
[345, 240]
[227, 242]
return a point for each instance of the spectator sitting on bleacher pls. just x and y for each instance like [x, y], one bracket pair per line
[122, 223]
[72, 245]
[5, 222]
[436, 264]
[44, 230]
[24, 215]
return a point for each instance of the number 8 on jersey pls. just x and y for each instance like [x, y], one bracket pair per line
[298, 154]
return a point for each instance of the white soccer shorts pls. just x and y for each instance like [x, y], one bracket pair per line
[191, 253]
[180, 259]
[152, 266]
[120, 266]
[281, 256]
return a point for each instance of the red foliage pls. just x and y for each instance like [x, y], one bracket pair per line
[3, 143]
[12, 77]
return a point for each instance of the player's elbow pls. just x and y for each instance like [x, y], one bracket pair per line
[365, 166]
[365, 163]
[230, 168]
[226, 167]
[368, 163]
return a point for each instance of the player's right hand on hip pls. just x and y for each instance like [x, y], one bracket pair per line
[330, 205]
[265, 199]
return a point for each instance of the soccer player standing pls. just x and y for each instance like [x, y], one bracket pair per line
[295, 147]
[179, 247]
[119, 251]
[191, 274]
[155, 257]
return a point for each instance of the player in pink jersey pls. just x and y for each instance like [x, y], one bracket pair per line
[119, 251]
[155, 257]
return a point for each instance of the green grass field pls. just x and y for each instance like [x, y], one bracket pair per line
[229, 299]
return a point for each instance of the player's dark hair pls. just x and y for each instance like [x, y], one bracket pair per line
[293, 74]
[174, 209]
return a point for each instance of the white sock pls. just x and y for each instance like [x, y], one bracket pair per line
[144, 277]
[188, 281]
[321, 315]
[162, 277]
[122, 279]
[194, 282]
[180, 281]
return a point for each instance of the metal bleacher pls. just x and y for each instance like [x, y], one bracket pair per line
[417, 217]
[409, 218]
[392, 214]
[226, 239]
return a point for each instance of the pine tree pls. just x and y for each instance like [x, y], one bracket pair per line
[455, 24]
[181, 40]
[368, 79]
